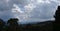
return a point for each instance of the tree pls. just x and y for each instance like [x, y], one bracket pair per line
[57, 19]
[12, 21]
[13, 24]
[2, 23]
[57, 14]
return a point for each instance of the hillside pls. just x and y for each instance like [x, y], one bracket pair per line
[40, 26]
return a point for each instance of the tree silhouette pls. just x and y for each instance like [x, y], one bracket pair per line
[57, 14]
[2, 23]
[13, 24]
[57, 19]
[12, 21]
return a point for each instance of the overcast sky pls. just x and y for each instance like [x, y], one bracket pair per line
[28, 11]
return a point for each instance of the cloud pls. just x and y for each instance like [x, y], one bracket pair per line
[28, 11]
[16, 9]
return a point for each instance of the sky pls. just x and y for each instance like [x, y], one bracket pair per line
[28, 11]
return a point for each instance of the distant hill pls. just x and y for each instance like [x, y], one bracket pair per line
[40, 26]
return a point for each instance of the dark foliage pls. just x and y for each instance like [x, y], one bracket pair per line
[13, 24]
[1, 24]
[57, 14]
[57, 20]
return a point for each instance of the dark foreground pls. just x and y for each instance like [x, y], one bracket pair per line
[43, 26]
[40, 26]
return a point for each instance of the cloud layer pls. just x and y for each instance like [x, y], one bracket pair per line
[28, 11]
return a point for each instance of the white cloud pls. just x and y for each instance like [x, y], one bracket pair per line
[43, 1]
[29, 7]
[16, 9]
